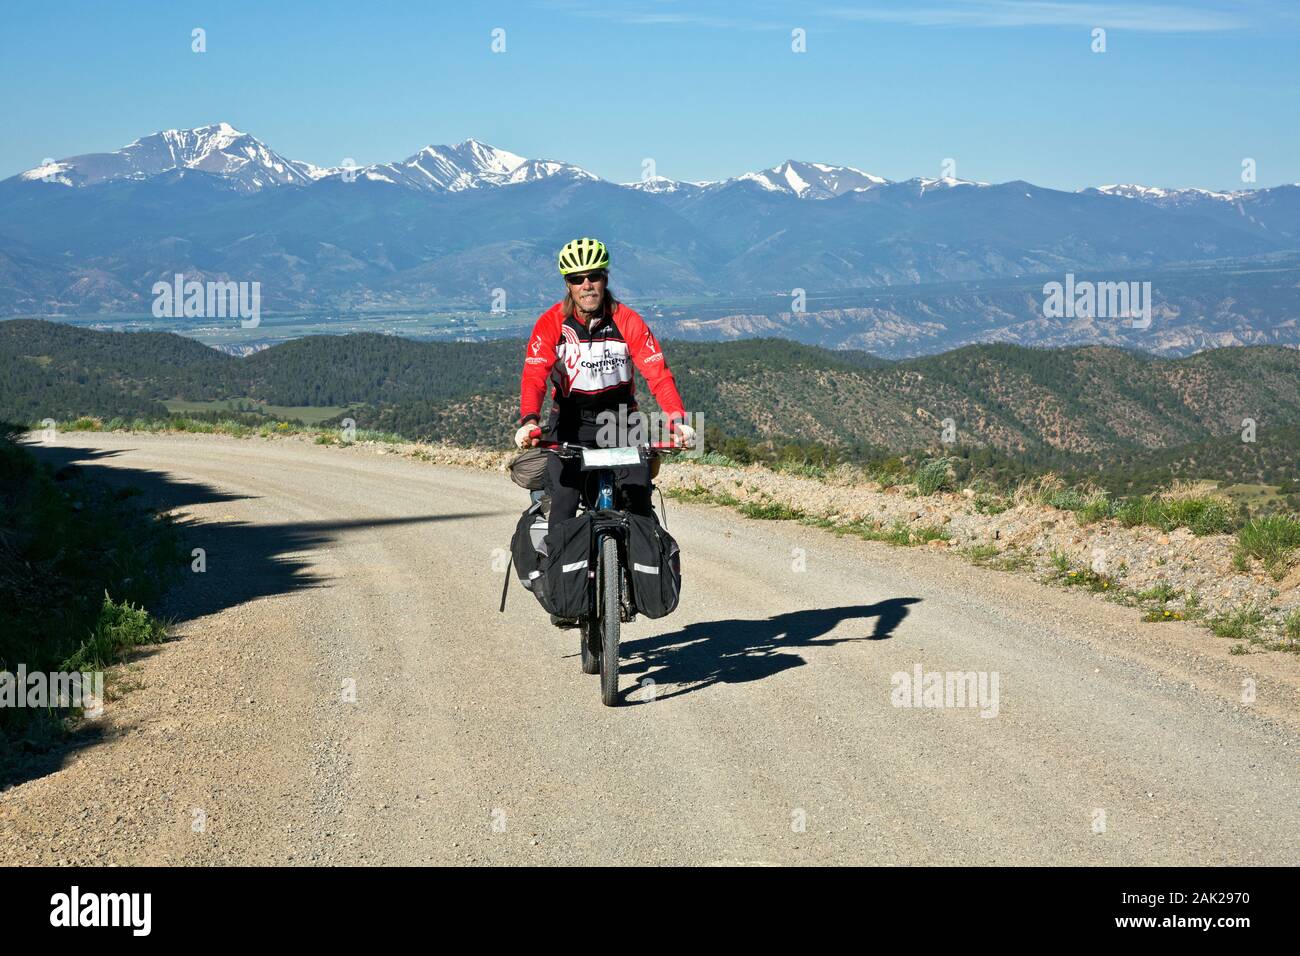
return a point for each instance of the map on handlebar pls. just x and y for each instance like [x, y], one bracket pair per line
[610, 457]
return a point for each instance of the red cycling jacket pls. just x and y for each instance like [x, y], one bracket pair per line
[590, 366]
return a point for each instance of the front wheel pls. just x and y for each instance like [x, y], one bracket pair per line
[609, 620]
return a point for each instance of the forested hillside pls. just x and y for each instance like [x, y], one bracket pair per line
[1104, 411]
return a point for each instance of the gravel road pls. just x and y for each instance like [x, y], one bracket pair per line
[342, 690]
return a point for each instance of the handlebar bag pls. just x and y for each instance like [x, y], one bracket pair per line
[528, 470]
[655, 564]
[566, 567]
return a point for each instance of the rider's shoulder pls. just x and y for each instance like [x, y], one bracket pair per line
[625, 313]
[554, 311]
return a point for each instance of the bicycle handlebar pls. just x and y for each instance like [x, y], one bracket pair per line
[569, 448]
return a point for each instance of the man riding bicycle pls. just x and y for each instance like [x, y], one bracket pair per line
[585, 347]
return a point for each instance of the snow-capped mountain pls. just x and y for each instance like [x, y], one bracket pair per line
[467, 165]
[925, 185]
[1163, 196]
[251, 165]
[811, 180]
[221, 149]
[662, 184]
[793, 178]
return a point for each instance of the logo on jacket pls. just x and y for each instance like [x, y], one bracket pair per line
[573, 349]
[535, 359]
[652, 348]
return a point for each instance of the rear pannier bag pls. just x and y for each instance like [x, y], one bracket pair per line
[526, 547]
[565, 567]
[655, 565]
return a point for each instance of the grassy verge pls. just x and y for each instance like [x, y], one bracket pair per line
[1180, 506]
[1272, 540]
[237, 427]
[898, 533]
[79, 563]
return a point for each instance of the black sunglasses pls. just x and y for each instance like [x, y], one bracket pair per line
[600, 276]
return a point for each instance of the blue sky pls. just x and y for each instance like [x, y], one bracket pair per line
[1008, 89]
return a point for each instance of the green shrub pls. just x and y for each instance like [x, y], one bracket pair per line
[1162, 591]
[933, 476]
[1272, 540]
[1096, 509]
[987, 504]
[1064, 572]
[715, 458]
[802, 469]
[118, 627]
[1241, 624]
[773, 510]
[1067, 499]
[1202, 515]
[1291, 625]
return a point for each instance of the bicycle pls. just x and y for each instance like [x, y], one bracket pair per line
[600, 628]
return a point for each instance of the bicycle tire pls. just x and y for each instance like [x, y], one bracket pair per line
[609, 620]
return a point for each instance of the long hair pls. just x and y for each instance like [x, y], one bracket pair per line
[607, 305]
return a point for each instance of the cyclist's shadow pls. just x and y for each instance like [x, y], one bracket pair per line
[735, 651]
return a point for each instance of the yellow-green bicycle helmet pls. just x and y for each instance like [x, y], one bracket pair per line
[583, 255]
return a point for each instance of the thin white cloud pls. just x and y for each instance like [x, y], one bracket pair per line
[1221, 16]
[1153, 18]
[664, 13]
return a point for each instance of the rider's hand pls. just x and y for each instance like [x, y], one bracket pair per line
[683, 435]
[527, 435]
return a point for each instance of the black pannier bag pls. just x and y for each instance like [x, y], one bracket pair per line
[527, 548]
[565, 567]
[655, 565]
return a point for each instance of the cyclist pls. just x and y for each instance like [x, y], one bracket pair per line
[585, 347]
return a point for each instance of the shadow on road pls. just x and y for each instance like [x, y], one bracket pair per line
[244, 562]
[737, 650]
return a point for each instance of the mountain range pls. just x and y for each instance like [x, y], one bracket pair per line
[250, 165]
[448, 225]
